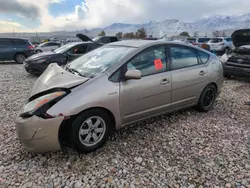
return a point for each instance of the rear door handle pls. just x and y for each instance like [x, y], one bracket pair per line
[202, 73]
[165, 81]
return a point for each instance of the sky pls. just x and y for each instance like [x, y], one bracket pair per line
[55, 15]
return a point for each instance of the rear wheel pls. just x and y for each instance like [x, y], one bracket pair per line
[207, 98]
[91, 130]
[19, 58]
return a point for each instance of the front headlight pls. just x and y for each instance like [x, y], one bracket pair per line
[40, 101]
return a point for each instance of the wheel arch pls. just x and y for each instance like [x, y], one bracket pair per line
[65, 126]
[19, 53]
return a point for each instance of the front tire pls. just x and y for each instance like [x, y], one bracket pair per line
[19, 58]
[91, 130]
[207, 98]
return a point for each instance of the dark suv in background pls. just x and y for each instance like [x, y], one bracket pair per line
[15, 49]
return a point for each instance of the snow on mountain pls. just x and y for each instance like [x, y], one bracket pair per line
[209, 24]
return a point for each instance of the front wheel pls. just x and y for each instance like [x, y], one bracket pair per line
[91, 130]
[19, 58]
[207, 98]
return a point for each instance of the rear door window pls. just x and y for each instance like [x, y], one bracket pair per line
[5, 42]
[182, 57]
[216, 40]
[18, 42]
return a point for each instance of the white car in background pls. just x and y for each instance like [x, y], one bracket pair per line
[47, 46]
[221, 44]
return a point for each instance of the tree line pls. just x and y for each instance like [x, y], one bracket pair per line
[139, 34]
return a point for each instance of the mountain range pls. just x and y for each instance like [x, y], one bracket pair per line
[208, 25]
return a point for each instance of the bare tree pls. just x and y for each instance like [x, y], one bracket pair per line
[216, 33]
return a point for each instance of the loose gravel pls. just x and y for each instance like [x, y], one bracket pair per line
[185, 149]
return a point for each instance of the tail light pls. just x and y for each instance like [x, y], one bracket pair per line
[31, 47]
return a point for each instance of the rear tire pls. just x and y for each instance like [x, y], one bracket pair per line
[207, 98]
[19, 58]
[91, 130]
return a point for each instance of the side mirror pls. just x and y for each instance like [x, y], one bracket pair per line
[133, 74]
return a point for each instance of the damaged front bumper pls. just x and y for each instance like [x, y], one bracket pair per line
[38, 134]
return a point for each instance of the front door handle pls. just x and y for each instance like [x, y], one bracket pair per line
[202, 73]
[165, 81]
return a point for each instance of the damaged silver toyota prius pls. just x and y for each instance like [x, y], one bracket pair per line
[117, 84]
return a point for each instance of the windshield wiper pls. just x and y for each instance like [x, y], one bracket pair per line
[73, 71]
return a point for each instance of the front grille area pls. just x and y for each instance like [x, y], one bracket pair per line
[235, 60]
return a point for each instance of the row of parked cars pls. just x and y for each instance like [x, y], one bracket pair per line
[116, 84]
[18, 49]
[216, 44]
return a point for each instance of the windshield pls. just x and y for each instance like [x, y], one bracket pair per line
[64, 48]
[96, 39]
[215, 40]
[98, 60]
[42, 44]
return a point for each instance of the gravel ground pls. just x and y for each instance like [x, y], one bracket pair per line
[185, 149]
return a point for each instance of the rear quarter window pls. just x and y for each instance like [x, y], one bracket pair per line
[203, 56]
[228, 39]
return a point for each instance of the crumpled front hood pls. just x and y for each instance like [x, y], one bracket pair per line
[241, 37]
[56, 77]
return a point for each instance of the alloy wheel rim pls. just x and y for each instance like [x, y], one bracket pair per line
[92, 131]
[20, 58]
[208, 98]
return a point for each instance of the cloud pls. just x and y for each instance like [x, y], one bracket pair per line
[55, 1]
[81, 11]
[7, 26]
[25, 9]
[101, 13]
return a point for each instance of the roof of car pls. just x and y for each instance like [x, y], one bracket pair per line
[13, 38]
[141, 43]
